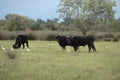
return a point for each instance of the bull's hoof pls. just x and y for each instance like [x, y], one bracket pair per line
[28, 50]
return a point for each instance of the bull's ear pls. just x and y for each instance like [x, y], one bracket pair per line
[56, 35]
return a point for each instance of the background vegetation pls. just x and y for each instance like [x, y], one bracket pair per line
[50, 35]
[16, 22]
[83, 16]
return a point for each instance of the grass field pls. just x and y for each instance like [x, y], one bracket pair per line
[46, 61]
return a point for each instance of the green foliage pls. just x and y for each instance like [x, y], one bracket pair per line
[55, 20]
[87, 14]
[116, 26]
[51, 26]
[37, 25]
[16, 22]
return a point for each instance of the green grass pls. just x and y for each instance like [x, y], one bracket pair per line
[47, 61]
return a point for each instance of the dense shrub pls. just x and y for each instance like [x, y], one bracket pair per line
[115, 39]
[108, 35]
[50, 35]
[32, 36]
[107, 39]
[2, 37]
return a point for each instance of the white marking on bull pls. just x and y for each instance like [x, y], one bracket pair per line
[68, 49]
[28, 49]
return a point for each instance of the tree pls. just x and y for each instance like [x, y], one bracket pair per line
[36, 25]
[16, 22]
[3, 24]
[116, 26]
[87, 14]
[55, 20]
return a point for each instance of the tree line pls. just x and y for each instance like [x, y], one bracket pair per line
[83, 15]
[16, 22]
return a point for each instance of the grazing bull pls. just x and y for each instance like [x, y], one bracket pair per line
[77, 41]
[21, 40]
[63, 41]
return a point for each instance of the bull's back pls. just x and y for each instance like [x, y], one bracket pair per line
[22, 39]
[81, 41]
[90, 38]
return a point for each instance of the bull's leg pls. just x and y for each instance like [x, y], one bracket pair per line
[63, 47]
[89, 46]
[75, 48]
[27, 45]
[23, 45]
[19, 45]
[93, 47]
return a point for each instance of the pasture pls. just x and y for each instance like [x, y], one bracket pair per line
[47, 61]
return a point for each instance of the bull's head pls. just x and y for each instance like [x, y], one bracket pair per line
[57, 37]
[16, 46]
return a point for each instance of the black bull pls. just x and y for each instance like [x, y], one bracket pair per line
[21, 40]
[76, 41]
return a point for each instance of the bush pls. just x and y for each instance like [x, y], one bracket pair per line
[115, 39]
[2, 37]
[50, 37]
[33, 36]
[98, 37]
[108, 35]
[107, 39]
